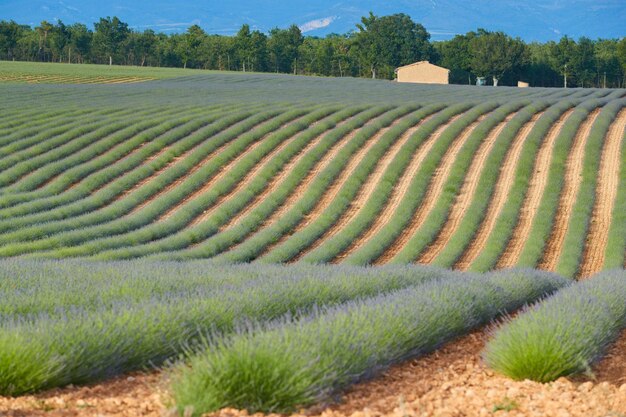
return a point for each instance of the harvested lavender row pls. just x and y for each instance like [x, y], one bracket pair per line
[564, 334]
[131, 315]
[294, 363]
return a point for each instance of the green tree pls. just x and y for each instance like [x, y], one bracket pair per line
[608, 68]
[10, 33]
[495, 54]
[251, 49]
[80, 42]
[621, 57]
[562, 58]
[384, 43]
[584, 62]
[109, 36]
[59, 41]
[455, 55]
[43, 30]
[283, 46]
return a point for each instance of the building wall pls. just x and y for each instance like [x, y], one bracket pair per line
[423, 73]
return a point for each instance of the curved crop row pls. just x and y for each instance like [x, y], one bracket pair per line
[499, 197]
[443, 155]
[255, 181]
[219, 133]
[504, 231]
[103, 187]
[128, 138]
[579, 158]
[480, 174]
[570, 259]
[372, 194]
[479, 195]
[139, 226]
[148, 134]
[537, 238]
[222, 242]
[370, 155]
[296, 363]
[605, 245]
[52, 143]
[384, 229]
[564, 334]
[22, 124]
[305, 198]
[92, 343]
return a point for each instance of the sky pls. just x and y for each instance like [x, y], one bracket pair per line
[532, 20]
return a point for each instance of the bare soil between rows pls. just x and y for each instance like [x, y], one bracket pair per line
[451, 381]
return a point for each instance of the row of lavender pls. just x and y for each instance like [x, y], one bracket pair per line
[290, 363]
[73, 321]
[274, 338]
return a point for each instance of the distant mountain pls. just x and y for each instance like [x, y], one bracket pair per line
[532, 20]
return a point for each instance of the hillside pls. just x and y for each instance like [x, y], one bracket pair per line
[273, 168]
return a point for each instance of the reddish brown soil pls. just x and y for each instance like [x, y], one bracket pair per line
[533, 195]
[500, 196]
[466, 194]
[573, 174]
[606, 193]
[435, 189]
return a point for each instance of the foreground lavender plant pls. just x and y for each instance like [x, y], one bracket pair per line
[73, 322]
[564, 334]
[294, 363]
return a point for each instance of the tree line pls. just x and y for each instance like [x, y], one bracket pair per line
[377, 46]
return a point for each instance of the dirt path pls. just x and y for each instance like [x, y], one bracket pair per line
[399, 191]
[435, 189]
[532, 200]
[250, 176]
[279, 179]
[370, 185]
[500, 196]
[606, 193]
[331, 191]
[466, 194]
[452, 381]
[572, 179]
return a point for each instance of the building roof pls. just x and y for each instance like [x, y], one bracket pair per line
[421, 63]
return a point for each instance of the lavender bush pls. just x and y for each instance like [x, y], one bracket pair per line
[72, 322]
[296, 362]
[564, 334]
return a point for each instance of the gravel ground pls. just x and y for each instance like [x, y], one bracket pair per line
[450, 382]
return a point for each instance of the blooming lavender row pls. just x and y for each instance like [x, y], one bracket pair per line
[564, 334]
[295, 362]
[69, 321]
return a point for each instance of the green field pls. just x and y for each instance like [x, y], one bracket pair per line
[349, 180]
